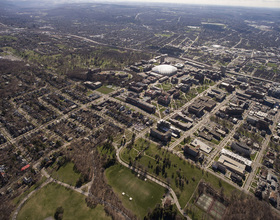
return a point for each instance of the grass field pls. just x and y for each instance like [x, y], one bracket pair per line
[154, 157]
[145, 194]
[45, 202]
[104, 90]
[66, 174]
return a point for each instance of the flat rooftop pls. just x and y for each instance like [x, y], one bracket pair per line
[236, 157]
[202, 146]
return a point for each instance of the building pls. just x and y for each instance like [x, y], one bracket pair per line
[151, 93]
[219, 167]
[135, 89]
[176, 95]
[141, 104]
[241, 148]
[196, 108]
[200, 104]
[236, 178]
[237, 157]
[92, 85]
[182, 117]
[181, 125]
[202, 146]
[185, 88]
[227, 86]
[162, 136]
[232, 165]
[217, 94]
[164, 69]
[193, 151]
[174, 80]
[163, 79]
[164, 100]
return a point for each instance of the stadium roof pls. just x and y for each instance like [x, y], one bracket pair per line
[165, 69]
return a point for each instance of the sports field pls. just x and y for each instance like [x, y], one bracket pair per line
[144, 194]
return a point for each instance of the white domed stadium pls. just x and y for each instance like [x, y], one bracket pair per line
[164, 69]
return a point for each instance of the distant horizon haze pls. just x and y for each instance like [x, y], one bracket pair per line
[242, 3]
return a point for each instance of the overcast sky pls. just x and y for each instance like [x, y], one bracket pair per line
[248, 3]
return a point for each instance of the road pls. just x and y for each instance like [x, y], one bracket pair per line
[256, 163]
[203, 120]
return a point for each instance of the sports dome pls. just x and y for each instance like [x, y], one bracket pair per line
[167, 70]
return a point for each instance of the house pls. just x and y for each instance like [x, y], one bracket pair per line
[25, 167]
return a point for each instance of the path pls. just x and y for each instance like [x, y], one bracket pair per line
[148, 176]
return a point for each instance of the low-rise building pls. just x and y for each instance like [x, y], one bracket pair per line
[219, 167]
[202, 146]
[241, 148]
[162, 136]
[232, 165]
[193, 151]
[164, 100]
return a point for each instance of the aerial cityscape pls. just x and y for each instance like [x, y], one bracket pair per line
[127, 110]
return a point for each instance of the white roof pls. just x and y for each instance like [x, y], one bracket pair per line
[164, 69]
[233, 164]
[202, 146]
[236, 157]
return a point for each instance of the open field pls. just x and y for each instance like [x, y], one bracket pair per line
[104, 90]
[182, 175]
[66, 174]
[45, 202]
[145, 194]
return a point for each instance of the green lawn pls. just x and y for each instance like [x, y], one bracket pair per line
[145, 194]
[218, 183]
[166, 86]
[179, 169]
[66, 174]
[105, 90]
[190, 174]
[253, 156]
[45, 202]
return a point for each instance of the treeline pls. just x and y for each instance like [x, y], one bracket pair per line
[167, 212]
[243, 207]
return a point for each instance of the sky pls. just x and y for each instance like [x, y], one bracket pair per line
[246, 3]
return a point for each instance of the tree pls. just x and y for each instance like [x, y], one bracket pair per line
[58, 215]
